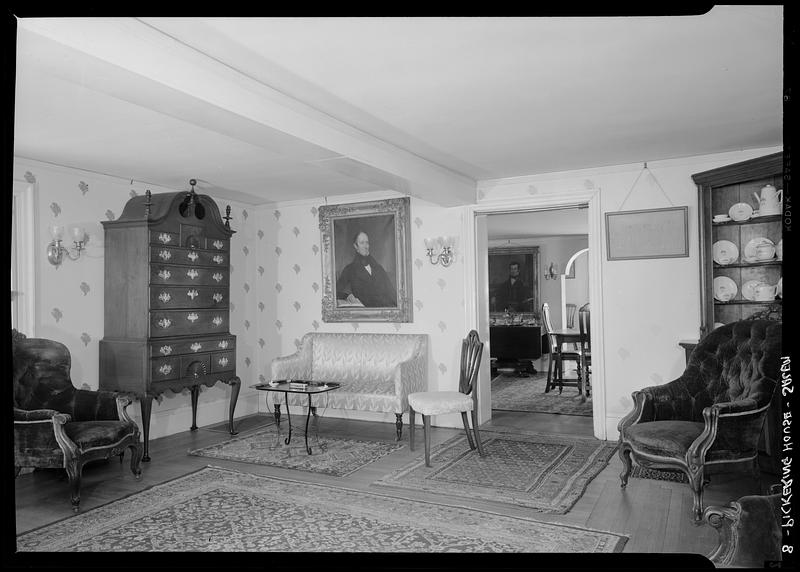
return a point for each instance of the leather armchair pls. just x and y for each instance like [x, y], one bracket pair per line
[710, 418]
[58, 425]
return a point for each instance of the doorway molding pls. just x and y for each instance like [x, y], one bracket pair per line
[476, 295]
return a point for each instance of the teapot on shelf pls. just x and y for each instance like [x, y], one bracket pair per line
[769, 203]
[766, 292]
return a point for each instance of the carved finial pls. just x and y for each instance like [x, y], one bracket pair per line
[147, 204]
[191, 194]
[227, 217]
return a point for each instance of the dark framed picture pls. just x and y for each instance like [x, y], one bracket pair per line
[514, 279]
[366, 261]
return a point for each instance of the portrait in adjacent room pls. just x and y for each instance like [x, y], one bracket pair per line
[366, 261]
[513, 279]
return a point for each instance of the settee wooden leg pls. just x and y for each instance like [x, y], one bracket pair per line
[399, 424]
[627, 466]
[411, 423]
[466, 429]
[73, 468]
[136, 460]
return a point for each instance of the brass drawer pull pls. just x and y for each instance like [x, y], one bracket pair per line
[192, 317]
[217, 297]
[193, 256]
[165, 369]
[223, 344]
[218, 244]
[217, 320]
[164, 323]
[218, 259]
[196, 347]
[165, 297]
[166, 350]
[164, 274]
[192, 273]
[165, 238]
[223, 361]
[217, 276]
[165, 255]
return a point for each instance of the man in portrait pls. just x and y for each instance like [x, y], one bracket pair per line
[364, 280]
[512, 295]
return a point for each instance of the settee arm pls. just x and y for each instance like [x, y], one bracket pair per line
[655, 403]
[733, 426]
[39, 433]
[294, 366]
[34, 415]
[410, 377]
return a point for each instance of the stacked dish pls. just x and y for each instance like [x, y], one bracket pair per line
[759, 249]
[740, 212]
[725, 289]
[724, 252]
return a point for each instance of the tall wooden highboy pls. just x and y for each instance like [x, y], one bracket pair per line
[167, 276]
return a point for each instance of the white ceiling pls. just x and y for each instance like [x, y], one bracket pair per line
[273, 109]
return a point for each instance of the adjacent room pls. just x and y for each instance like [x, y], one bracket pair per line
[400, 285]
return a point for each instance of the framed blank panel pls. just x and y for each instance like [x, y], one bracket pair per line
[651, 233]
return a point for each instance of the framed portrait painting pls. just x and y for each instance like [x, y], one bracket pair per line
[514, 279]
[366, 261]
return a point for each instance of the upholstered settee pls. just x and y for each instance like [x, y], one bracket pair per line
[376, 371]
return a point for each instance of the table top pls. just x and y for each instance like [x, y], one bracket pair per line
[297, 386]
[566, 333]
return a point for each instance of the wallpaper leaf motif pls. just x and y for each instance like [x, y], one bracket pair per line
[481, 195]
[86, 338]
[442, 326]
[297, 306]
[261, 342]
[261, 271]
[532, 190]
[261, 378]
[260, 234]
[245, 250]
[623, 353]
[230, 267]
[296, 268]
[278, 324]
[55, 208]
[56, 313]
[419, 304]
[315, 325]
[278, 287]
[297, 343]
[314, 286]
[247, 324]
[133, 193]
[418, 263]
[278, 250]
[247, 361]
[246, 287]
[296, 231]
[261, 306]
[315, 249]
[30, 177]
[277, 215]
[244, 214]
[442, 368]
[314, 211]
[83, 187]
[84, 288]
[588, 183]
[441, 283]
[110, 215]
[418, 222]
[233, 306]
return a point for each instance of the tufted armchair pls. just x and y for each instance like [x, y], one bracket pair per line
[710, 418]
[58, 425]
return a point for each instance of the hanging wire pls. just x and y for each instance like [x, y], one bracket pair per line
[633, 186]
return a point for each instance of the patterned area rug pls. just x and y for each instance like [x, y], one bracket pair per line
[512, 393]
[548, 473]
[330, 455]
[243, 424]
[221, 510]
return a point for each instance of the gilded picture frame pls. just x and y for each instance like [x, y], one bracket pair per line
[372, 287]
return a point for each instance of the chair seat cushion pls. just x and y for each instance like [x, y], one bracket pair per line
[663, 438]
[438, 402]
[92, 434]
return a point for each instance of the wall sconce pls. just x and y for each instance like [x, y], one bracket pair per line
[552, 272]
[56, 252]
[440, 249]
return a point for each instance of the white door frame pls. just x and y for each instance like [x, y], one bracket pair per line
[476, 297]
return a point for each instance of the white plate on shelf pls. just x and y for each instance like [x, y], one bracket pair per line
[721, 218]
[779, 291]
[725, 289]
[749, 289]
[740, 212]
[724, 252]
[751, 248]
[779, 249]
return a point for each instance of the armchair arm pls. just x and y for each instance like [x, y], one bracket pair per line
[40, 439]
[732, 426]
[34, 415]
[655, 403]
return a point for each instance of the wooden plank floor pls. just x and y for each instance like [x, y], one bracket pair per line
[655, 515]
